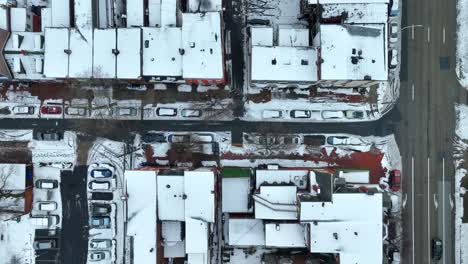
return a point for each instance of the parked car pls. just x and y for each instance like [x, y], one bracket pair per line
[165, 111]
[126, 111]
[45, 244]
[396, 258]
[174, 138]
[393, 32]
[394, 10]
[99, 185]
[46, 184]
[395, 180]
[436, 248]
[98, 255]
[191, 113]
[300, 114]
[101, 173]
[48, 135]
[272, 113]
[353, 114]
[51, 109]
[76, 111]
[23, 110]
[103, 196]
[338, 140]
[332, 114]
[45, 220]
[314, 140]
[154, 137]
[100, 221]
[100, 243]
[201, 138]
[47, 206]
[393, 58]
[100, 209]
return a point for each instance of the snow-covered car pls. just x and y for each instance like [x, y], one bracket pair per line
[125, 111]
[174, 138]
[23, 110]
[99, 185]
[101, 173]
[394, 11]
[165, 111]
[48, 136]
[338, 140]
[100, 243]
[353, 114]
[47, 206]
[300, 114]
[332, 114]
[45, 220]
[51, 109]
[76, 111]
[393, 32]
[272, 113]
[44, 244]
[46, 184]
[98, 255]
[100, 222]
[191, 113]
[393, 58]
[100, 209]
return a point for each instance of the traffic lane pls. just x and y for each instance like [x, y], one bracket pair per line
[444, 220]
[407, 210]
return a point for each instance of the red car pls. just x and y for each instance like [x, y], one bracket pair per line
[51, 110]
[395, 180]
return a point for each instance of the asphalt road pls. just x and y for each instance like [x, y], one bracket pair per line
[429, 91]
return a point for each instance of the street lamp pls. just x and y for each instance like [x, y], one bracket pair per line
[412, 29]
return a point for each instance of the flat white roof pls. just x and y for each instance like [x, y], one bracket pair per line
[104, 61]
[199, 191]
[205, 5]
[46, 18]
[18, 19]
[129, 58]
[154, 13]
[161, 51]
[60, 13]
[15, 176]
[170, 198]
[168, 13]
[236, 196]
[285, 235]
[135, 13]
[246, 232]
[3, 19]
[293, 37]
[201, 41]
[197, 258]
[55, 59]
[353, 52]
[30, 41]
[84, 14]
[280, 176]
[357, 13]
[311, 2]
[81, 57]
[196, 236]
[261, 36]
[276, 202]
[356, 242]
[141, 215]
[284, 64]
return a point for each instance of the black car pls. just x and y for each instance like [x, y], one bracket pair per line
[436, 248]
[154, 137]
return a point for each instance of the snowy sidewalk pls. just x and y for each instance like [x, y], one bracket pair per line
[462, 42]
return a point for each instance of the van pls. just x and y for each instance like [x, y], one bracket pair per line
[45, 220]
[164, 111]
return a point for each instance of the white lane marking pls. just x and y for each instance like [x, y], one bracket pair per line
[443, 207]
[436, 203]
[412, 93]
[405, 198]
[428, 211]
[412, 205]
[443, 35]
[428, 34]
[412, 31]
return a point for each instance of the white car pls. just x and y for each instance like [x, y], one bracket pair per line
[393, 32]
[272, 113]
[165, 111]
[76, 111]
[98, 255]
[393, 59]
[191, 113]
[47, 206]
[23, 110]
[99, 185]
[332, 114]
[100, 243]
[126, 111]
[45, 220]
[300, 114]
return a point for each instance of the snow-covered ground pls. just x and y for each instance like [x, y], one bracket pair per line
[63, 151]
[461, 150]
[16, 245]
[462, 42]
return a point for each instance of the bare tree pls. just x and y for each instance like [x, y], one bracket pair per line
[5, 173]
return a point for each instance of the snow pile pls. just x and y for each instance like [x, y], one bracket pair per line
[461, 147]
[55, 151]
[462, 42]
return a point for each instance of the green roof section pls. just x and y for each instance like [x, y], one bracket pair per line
[236, 172]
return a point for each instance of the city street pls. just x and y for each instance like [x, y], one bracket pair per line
[429, 90]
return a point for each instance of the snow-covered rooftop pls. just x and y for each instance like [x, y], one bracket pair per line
[154, 13]
[199, 191]
[104, 61]
[129, 56]
[312, 2]
[353, 52]
[197, 6]
[60, 13]
[196, 236]
[170, 198]
[285, 235]
[284, 64]
[357, 13]
[201, 41]
[276, 202]
[81, 56]
[28, 41]
[84, 14]
[55, 58]
[18, 19]
[261, 36]
[142, 215]
[293, 36]
[246, 232]
[236, 197]
[168, 13]
[135, 13]
[281, 177]
[161, 51]
[46, 18]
